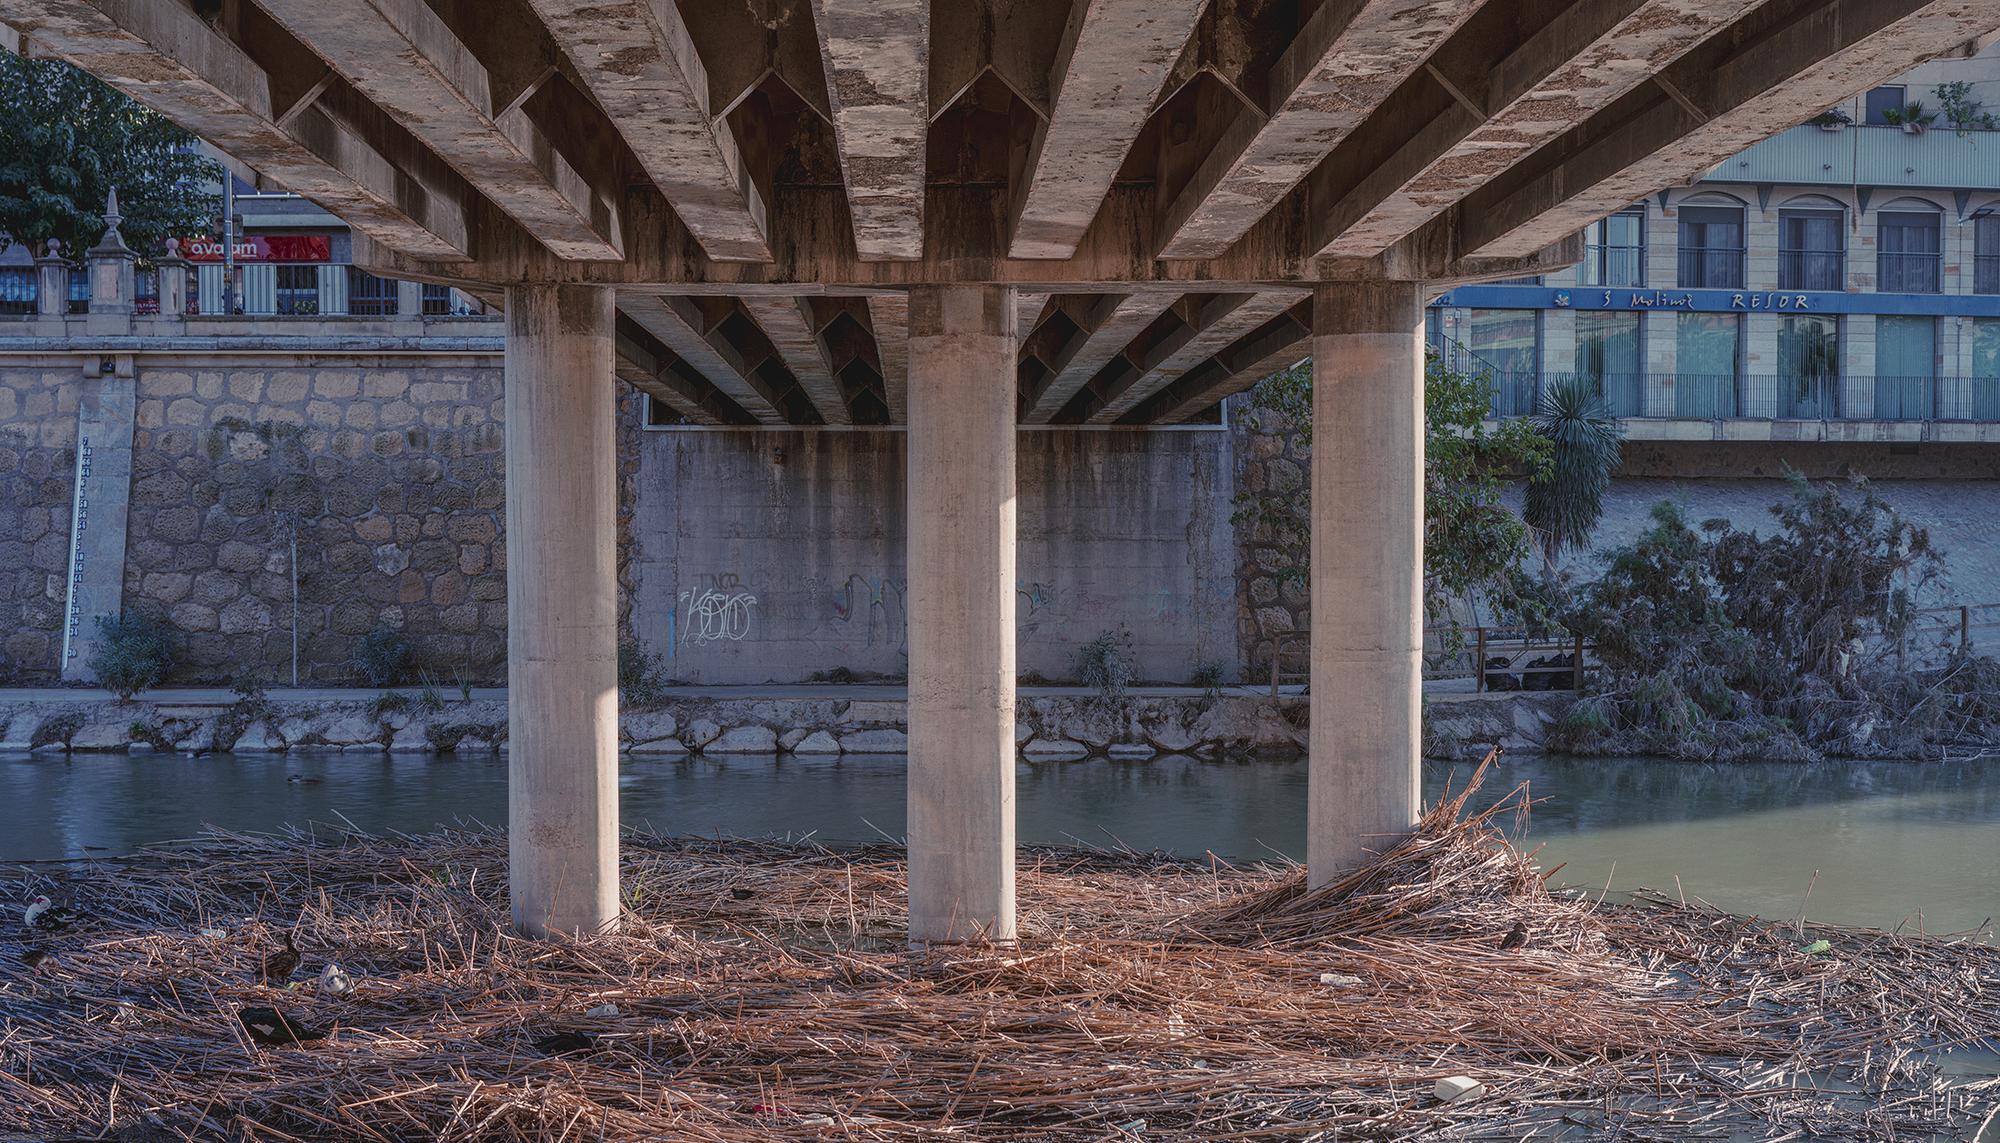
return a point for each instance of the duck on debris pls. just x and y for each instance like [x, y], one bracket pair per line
[280, 965]
[561, 1043]
[274, 1029]
[43, 913]
[1517, 937]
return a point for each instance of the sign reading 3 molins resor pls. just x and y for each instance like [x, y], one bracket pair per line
[262, 248]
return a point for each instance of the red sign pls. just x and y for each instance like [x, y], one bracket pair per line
[262, 248]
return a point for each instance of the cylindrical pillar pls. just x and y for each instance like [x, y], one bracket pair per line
[562, 610]
[961, 613]
[1367, 571]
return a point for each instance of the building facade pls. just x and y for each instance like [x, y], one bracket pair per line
[1838, 281]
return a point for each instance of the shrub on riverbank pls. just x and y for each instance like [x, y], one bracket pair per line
[1723, 644]
[134, 653]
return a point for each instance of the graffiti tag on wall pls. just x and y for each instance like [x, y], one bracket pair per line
[709, 614]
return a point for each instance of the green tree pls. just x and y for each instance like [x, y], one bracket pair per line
[66, 140]
[1582, 441]
[1473, 544]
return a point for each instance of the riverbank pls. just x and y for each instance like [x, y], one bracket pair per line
[1055, 723]
[762, 991]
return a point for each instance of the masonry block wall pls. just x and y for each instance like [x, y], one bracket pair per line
[384, 474]
[37, 474]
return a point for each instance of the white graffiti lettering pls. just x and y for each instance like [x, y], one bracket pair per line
[710, 615]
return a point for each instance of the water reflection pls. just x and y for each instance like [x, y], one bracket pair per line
[1887, 839]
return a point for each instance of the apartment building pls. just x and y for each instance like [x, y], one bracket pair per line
[1845, 272]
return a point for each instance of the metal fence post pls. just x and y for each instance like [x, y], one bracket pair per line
[1479, 660]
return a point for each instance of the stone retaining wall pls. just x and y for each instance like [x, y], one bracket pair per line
[1050, 728]
[387, 471]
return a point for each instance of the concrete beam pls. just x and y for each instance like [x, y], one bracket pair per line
[679, 324]
[1367, 572]
[961, 614]
[1342, 67]
[889, 321]
[1748, 85]
[877, 55]
[650, 373]
[399, 54]
[1108, 327]
[1210, 339]
[1277, 344]
[639, 63]
[790, 329]
[1028, 307]
[562, 610]
[1591, 55]
[166, 57]
[1114, 59]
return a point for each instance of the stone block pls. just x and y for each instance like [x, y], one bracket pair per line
[818, 742]
[352, 730]
[647, 725]
[701, 732]
[17, 728]
[1054, 750]
[744, 740]
[875, 742]
[258, 738]
[109, 728]
[659, 746]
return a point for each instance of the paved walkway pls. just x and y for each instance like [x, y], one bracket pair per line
[1442, 689]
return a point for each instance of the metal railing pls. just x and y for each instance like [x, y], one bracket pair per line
[1495, 658]
[1986, 274]
[1711, 267]
[1903, 272]
[20, 289]
[1939, 632]
[1812, 270]
[1768, 396]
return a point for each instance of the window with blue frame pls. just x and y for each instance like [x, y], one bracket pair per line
[1812, 250]
[1607, 352]
[1986, 254]
[1905, 367]
[1706, 349]
[1711, 247]
[1880, 102]
[1614, 250]
[1909, 255]
[1505, 342]
[1809, 366]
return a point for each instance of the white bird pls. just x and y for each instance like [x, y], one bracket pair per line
[35, 909]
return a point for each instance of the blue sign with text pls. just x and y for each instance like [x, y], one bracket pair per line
[1719, 301]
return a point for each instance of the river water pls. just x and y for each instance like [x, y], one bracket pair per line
[1892, 843]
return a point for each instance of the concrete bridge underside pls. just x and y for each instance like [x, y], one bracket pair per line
[960, 217]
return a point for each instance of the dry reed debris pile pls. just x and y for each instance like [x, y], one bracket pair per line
[761, 991]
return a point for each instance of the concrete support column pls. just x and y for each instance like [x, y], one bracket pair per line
[1367, 571]
[562, 610]
[961, 613]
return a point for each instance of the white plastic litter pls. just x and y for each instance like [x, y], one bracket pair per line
[1452, 1089]
[603, 1010]
[1339, 979]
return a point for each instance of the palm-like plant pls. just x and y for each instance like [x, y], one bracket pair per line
[1566, 498]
